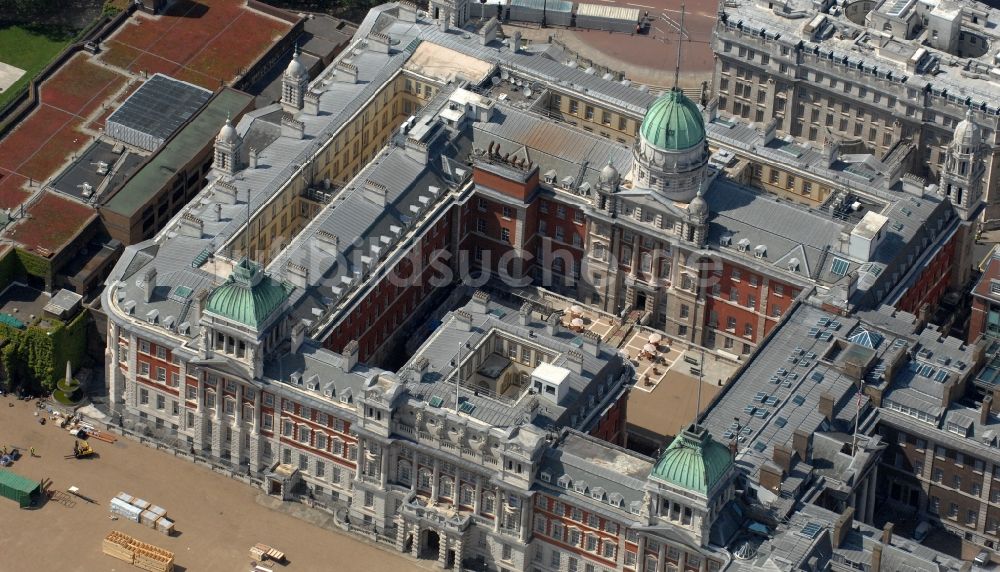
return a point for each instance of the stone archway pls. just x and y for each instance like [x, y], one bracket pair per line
[430, 544]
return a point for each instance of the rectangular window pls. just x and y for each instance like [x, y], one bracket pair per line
[508, 212]
[505, 234]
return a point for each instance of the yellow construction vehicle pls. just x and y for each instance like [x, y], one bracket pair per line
[81, 449]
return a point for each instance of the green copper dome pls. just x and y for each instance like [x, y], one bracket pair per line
[673, 123]
[693, 461]
[248, 296]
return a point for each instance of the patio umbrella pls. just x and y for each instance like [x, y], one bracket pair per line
[649, 348]
[577, 323]
[576, 310]
[655, 338]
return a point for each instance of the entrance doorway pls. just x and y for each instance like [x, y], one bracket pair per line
[640, 300]
[430, 545]
[275, 487]
[449, 561]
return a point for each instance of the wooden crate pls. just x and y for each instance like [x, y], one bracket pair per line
[116, 544]
[153, 561]
[140, 554]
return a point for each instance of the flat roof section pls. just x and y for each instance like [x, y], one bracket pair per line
[158, 108]
[102, 167]
[178, 151]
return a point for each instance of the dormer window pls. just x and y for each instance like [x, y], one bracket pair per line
[546, 477]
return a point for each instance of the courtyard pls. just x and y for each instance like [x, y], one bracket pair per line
[217, 519]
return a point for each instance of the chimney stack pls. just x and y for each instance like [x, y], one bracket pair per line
[591, 342]
[298, 336]
[843, 526]
[350, 356]
[826, 402]
[887, 534]
[574, 362]
[984, 409]
[876, 558]
[770, 476]
[480, 301]
[552, 324]
[463, 321]
[782, 457]
[149, 284]
[800, 444]
[524, 314]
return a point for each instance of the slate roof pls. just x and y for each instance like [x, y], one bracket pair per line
[578, 460]
[604, 375]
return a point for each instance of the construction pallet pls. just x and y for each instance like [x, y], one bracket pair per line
[140, 554]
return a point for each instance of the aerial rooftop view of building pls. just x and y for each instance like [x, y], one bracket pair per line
[434, 283]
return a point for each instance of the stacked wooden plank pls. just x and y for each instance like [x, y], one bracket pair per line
[140, 554]
[263, 552]
[152, 558]
[116, 544]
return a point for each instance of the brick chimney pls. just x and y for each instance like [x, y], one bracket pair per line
[843, 526]
[887, 534]
[984, 409]
[800, 444]
[782, 457]
[770, 476]
[826, 402]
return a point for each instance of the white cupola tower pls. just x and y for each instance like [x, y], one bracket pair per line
[227, 150]
[294, 83]
[964, 168]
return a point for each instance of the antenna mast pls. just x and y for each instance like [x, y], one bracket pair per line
[701, 375]
[680, 39]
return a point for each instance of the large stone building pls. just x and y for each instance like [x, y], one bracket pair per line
[892, 76]
[263, 328]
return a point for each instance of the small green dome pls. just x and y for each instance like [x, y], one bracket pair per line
[693, 461]
[673, 123]
[248, 296]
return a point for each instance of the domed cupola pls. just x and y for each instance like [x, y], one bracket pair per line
[694, 461]
[228, 133]
[227, 150]
[249, 297]
[609, 177]
[294, 84]
[295, 68]
[671, 154]
[698, 208]
[968, 136]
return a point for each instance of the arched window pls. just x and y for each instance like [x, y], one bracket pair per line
[404, 472]
[424, 479]
[447, 488]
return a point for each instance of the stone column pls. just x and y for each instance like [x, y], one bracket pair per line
[525, 521]
[415, 547]
[115, 377]
[199, 415]
[443, 543]
[872, 484]
[236, 446]
[434, 481]
[130, 395]
[497, 509]
[477, 500]
[384, 460]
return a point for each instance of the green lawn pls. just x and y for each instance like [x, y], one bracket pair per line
[30, 50]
